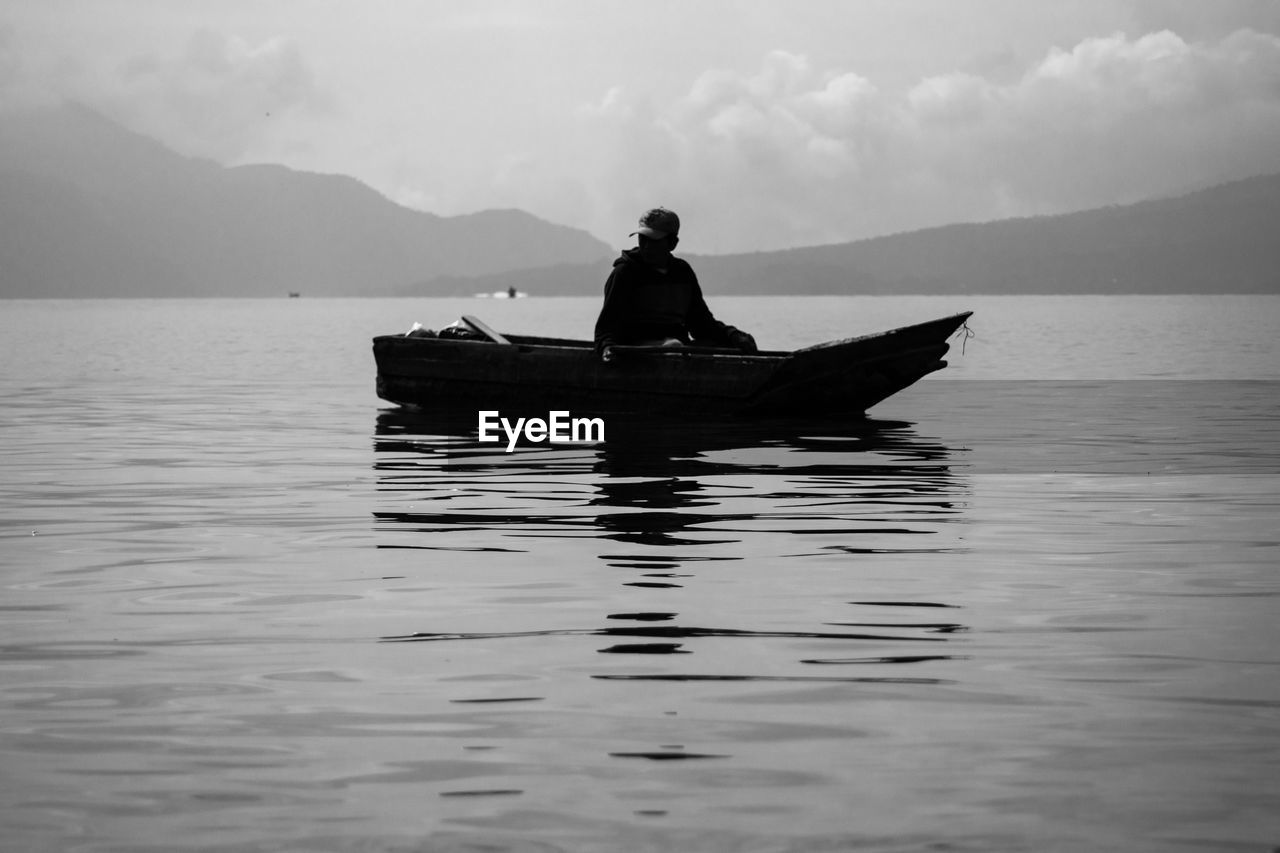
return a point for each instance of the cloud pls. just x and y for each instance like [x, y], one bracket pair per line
[786, 151]
[792, 154]
[220, 97]
[9, 63]
[1196, 19]
[11, 95]
[1111, 120]
[24, 75]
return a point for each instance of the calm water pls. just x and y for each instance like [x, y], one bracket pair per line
[1031, 605]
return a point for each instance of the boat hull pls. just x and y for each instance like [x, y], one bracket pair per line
[531, 374]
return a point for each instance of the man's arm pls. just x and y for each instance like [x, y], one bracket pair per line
[706, 330]
[611, 315]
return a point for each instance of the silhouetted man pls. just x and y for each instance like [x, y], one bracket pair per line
[653, 298]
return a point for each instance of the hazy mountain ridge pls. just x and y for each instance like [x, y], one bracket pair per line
[1218, 240]
[88, 208]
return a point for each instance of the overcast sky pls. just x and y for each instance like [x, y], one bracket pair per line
[764, 124]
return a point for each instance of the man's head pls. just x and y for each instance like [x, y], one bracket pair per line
[658, 234]
[659, 224]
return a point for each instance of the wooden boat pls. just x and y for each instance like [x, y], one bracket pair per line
[521, 373]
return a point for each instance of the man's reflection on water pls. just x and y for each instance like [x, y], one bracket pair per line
[674, 486]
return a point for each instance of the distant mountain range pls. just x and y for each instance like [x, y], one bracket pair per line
[1225, 239]
[88, 208]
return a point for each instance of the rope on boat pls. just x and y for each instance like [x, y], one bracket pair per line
[966, 332]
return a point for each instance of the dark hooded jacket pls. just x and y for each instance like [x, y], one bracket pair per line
[643, 304]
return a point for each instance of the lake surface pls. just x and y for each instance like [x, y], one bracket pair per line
[1032, 604]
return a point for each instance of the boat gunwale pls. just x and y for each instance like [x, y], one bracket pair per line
[520, 342]
[526, 343]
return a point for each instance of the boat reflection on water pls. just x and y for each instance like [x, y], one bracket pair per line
[661, 503]
[660, 470]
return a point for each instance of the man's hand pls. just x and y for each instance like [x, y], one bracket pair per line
[743, 341]
[606, 355]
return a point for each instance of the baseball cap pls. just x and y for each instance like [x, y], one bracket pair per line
[658, 223]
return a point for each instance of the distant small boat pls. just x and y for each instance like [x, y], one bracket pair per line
[509, 293]
[526, 373]
[293, 294]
